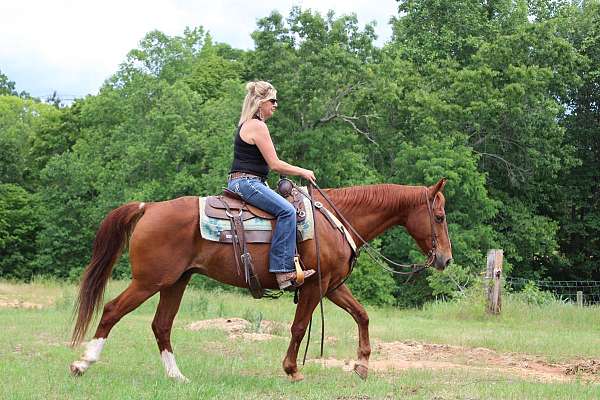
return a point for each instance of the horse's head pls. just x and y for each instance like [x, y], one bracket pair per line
[427, 225]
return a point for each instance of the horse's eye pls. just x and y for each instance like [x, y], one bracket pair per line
[439, 219]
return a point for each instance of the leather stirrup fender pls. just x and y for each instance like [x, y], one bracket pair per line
[299, 271]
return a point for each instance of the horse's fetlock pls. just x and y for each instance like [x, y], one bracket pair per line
[289, 367]
[364, 352]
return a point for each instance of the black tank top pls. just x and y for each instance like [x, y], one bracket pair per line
[248, 158]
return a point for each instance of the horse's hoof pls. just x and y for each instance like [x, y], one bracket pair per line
[361, 370]
[180, 378]
[76, 368]
[296, 377]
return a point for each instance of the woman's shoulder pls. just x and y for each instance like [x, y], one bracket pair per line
[255, 125]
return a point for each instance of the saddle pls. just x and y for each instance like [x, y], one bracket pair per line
[230, 206]
[218, 206]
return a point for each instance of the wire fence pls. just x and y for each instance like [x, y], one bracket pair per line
[567, 291]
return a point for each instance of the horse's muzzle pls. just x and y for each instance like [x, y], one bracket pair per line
[441, 262]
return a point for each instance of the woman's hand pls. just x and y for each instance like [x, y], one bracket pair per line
[308, 175]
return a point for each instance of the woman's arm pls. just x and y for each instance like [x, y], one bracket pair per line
[256, 132]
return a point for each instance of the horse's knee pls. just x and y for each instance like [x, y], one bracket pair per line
[298, 330]
[362, 318]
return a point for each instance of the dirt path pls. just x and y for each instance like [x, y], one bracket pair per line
[388, 356]
[402, 355]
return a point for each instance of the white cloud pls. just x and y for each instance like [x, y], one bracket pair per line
[73, 46]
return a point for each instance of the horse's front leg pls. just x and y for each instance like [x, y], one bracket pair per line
[308, 300]
[343, 298]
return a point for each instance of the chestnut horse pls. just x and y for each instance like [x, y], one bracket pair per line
[165, 249]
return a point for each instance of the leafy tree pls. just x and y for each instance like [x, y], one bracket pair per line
[6, 87]
[498, 82]
[19, 223]
[20, 120]
[577, 204]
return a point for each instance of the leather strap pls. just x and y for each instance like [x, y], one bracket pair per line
[235, 240]
[241, 252]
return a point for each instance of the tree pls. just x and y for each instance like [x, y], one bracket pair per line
[7, 88]
[577, 206]
[498, 82]
[19, 224]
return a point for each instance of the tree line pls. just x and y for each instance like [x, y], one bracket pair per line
[500, 97]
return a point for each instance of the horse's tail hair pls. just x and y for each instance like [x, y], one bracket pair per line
[111, 238]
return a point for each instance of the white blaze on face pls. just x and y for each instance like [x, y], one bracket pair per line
[168, 360]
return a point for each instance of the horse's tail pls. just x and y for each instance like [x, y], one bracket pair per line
[110, 240]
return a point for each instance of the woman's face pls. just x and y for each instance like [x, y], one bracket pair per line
[267, 108]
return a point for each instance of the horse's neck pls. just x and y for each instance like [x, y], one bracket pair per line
[374, 209]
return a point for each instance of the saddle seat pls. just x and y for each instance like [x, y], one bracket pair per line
[216, 207]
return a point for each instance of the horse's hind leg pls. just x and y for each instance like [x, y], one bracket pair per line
[127, 301]
[343, 298]
[170, 299]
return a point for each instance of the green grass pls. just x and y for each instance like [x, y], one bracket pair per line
[34, 356]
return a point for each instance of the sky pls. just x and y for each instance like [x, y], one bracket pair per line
[72, 46]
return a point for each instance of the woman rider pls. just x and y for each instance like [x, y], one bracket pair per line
[253, 156]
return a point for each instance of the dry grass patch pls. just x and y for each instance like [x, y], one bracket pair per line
[240, 328]
[29, 296]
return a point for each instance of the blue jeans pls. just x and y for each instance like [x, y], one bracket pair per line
[283, 242]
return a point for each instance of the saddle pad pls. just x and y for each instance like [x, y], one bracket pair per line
[211, 228]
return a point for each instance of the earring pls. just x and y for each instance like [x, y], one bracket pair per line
[260, 116]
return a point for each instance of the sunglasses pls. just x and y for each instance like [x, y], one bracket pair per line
[273, 101]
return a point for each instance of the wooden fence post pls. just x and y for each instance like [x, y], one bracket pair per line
[580, 298]
[493, 279]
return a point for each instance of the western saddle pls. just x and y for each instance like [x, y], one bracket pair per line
[230, 206]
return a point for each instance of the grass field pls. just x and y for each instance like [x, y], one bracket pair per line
[35, 326]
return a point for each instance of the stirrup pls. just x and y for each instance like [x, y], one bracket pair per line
[289, 280]
[299, 271]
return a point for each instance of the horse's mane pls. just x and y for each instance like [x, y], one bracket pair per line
[381, 195]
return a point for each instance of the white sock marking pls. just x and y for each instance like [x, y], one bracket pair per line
[168, 360]
[91, 355]
[93, 350]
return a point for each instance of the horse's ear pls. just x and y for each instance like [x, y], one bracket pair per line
[438, 187]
